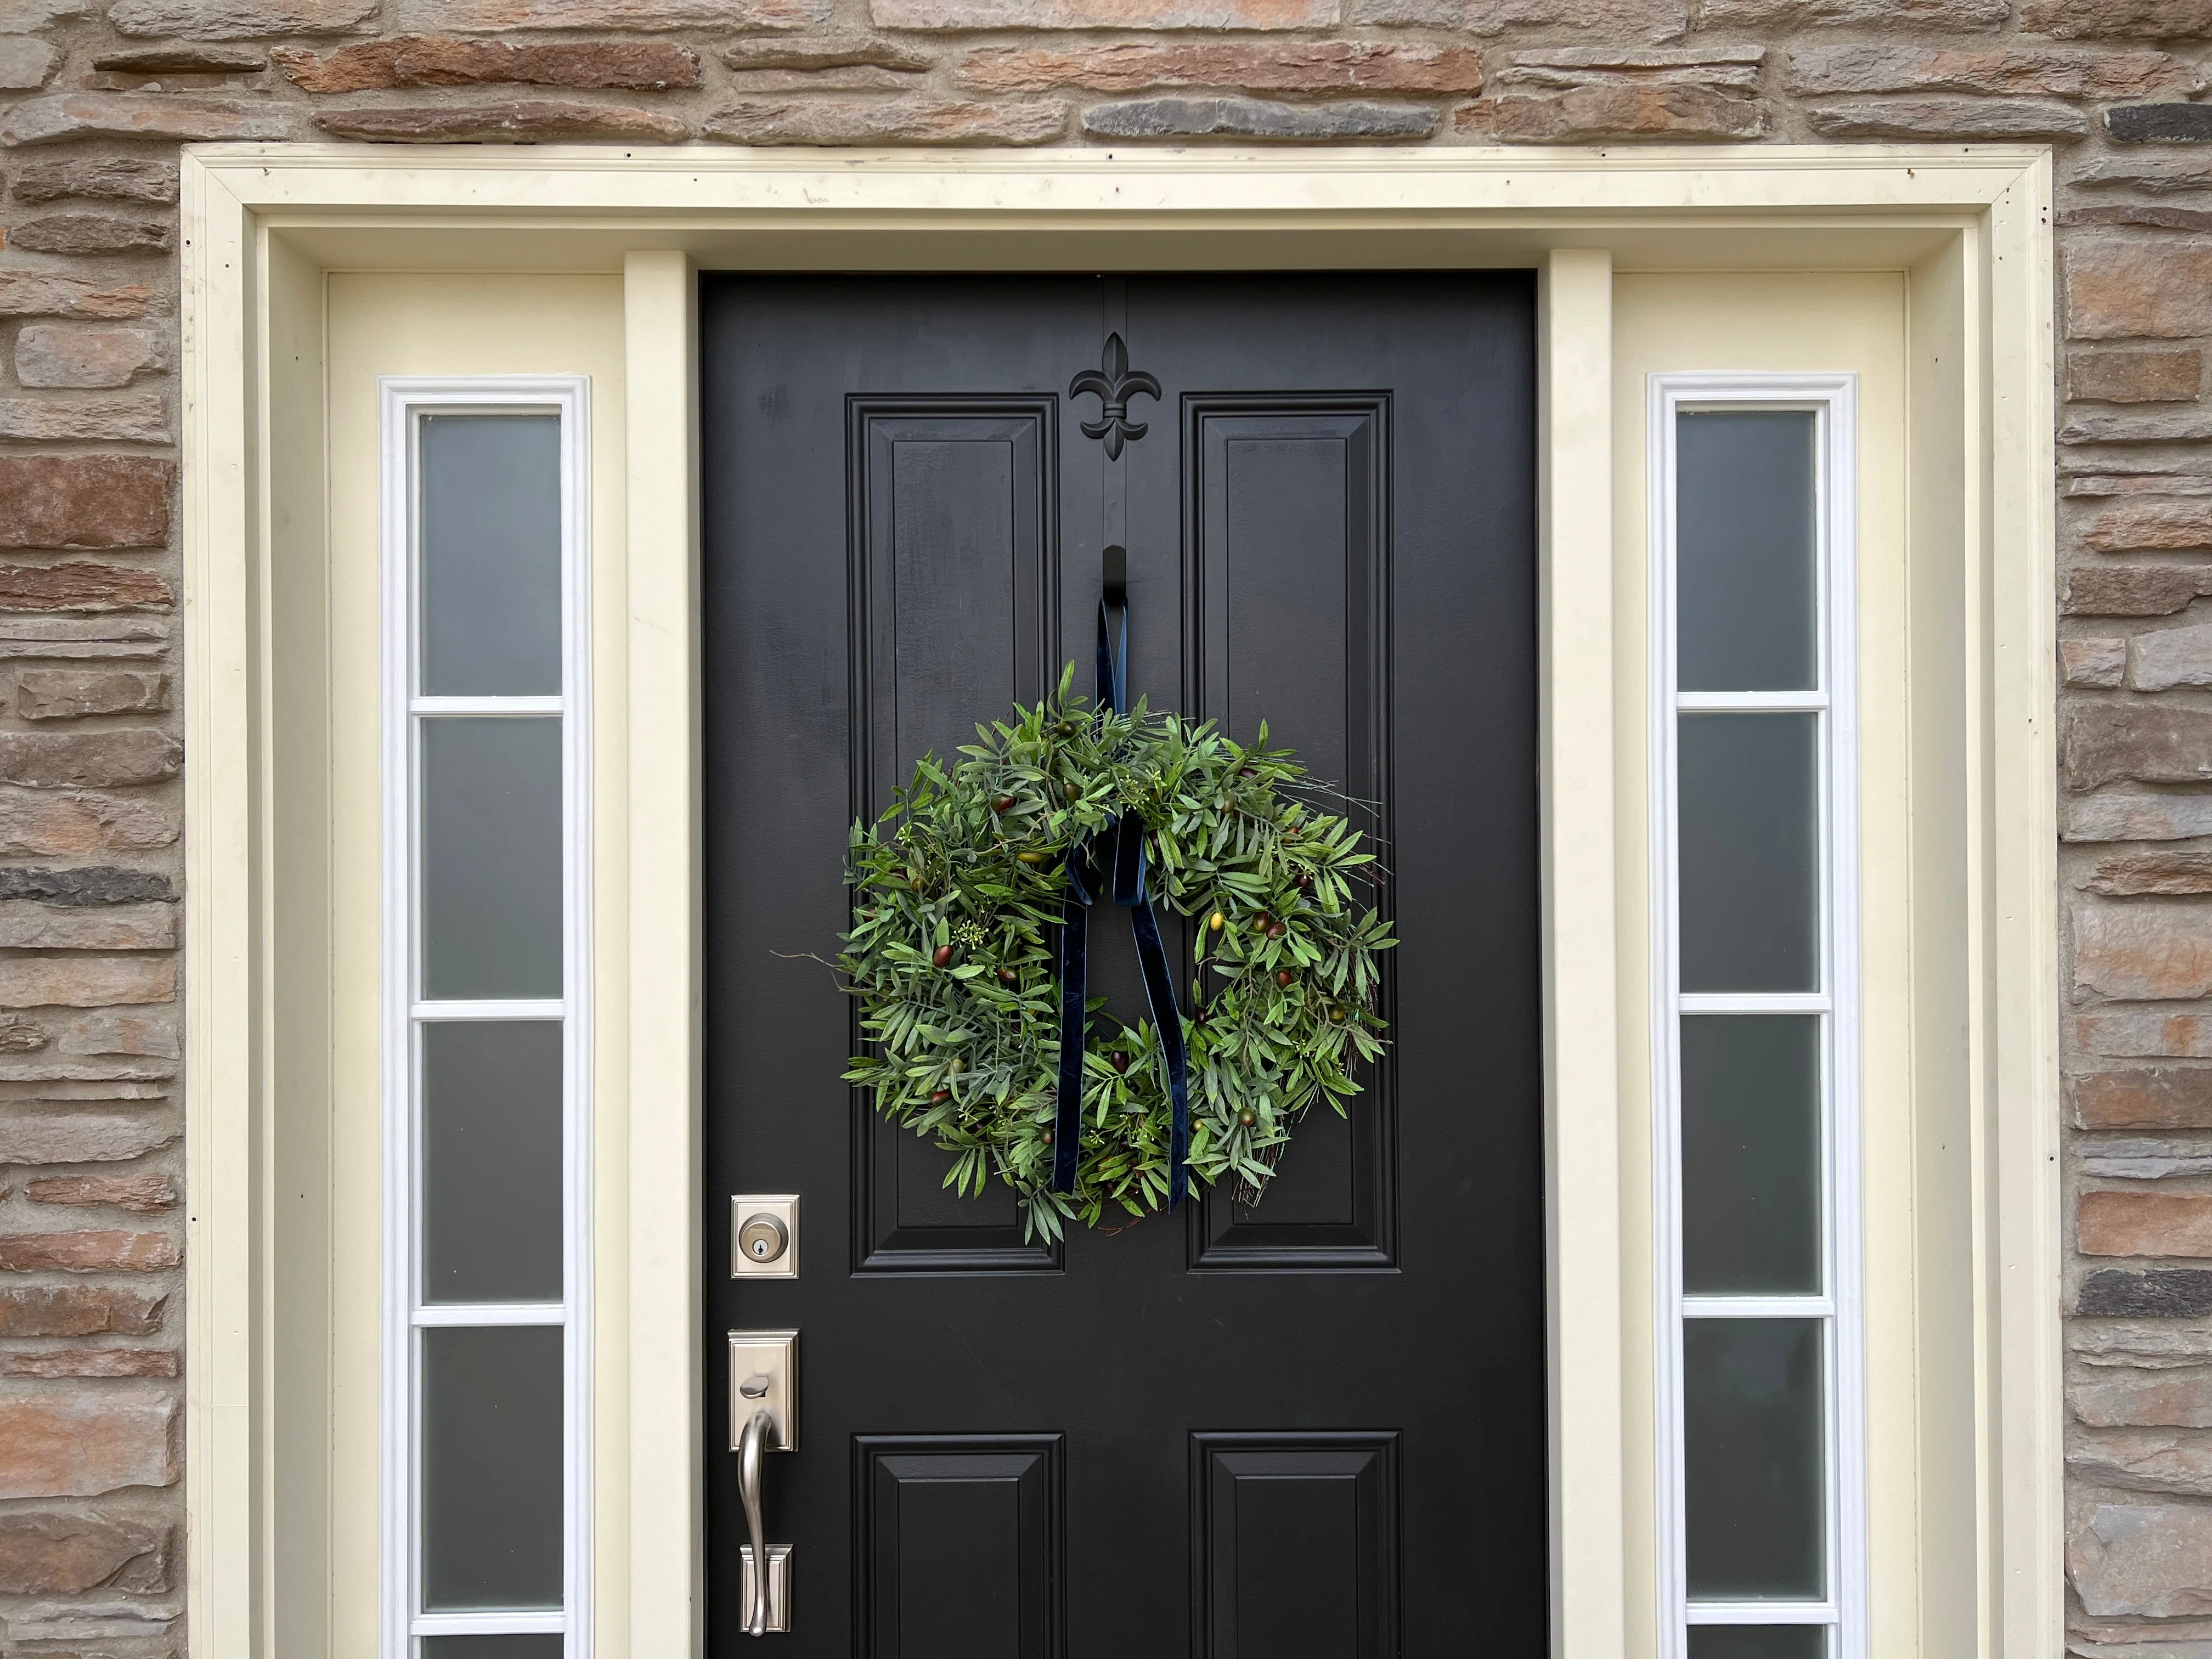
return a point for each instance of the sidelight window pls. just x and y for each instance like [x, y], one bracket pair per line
[486, 1058]
[1756, 1026]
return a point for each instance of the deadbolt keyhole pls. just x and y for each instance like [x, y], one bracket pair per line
[764, 1237]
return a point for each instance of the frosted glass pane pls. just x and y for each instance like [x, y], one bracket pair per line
[492, 1647]
[491, 1467]
[491, 1161]
[1750, 1642]
[491, 857]
[1752, 1458]
[1751, 1154]
[1749, 849]
[491, 603]
[1745, 508]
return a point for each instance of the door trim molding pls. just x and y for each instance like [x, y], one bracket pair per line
[262, 223]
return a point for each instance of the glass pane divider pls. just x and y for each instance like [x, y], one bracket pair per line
[1763, 1613]
[511, 1008]
[1750, 702]
[473, 1314]
[1754, 1002]
[492, 1621]
[1759, 1307]
[434, 707]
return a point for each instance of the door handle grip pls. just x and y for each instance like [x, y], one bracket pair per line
[759, 1428]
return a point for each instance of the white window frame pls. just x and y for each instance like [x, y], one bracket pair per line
[404, 401]
[1833, 401]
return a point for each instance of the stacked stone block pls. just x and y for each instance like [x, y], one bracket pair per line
[95, 95]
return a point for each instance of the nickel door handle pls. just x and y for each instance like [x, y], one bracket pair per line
[759, 1429]
[762, 1418]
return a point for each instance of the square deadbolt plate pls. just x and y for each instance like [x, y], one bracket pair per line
[784, 1206]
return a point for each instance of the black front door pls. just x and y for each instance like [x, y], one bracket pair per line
[1313, 1429]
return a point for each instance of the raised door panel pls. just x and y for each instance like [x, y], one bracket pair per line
[961, 1552]
[1287, 538]
[954, 587]
[1296, 1543]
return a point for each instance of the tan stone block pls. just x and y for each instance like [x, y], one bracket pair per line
[80, 1445]
[2151, 527]
[79, 1310]
[2144, 590]
[2145, 1033]
[1950, 17]
[174, 58]
[28, 16]
[92, 1362]
[105, 178]
[2169, 657]
[2153, 1560]
[50, 826]
[1613, 21]
[1316, 66]
[31, 926]
[84, 500]
[499, 16]
[49, 1554]
[51, 693]
[2044, 72]
[2166, 871]
[34, 294]
[2136, 377]
[885, 121]
[1216, 116]
[99, 1250]
[2143, 953]
[1958, 119]
[2154, 1097]
[1591, 114]
[2094, 663]
[70, 115]
[2149, 744]
[2137, 20]
[2149, 215]
[848, 77]
[78, 1137]
[80, 233]
[25, 61]
[76, 760]
[112, 1031]
[147, 1195]
[139, 420]
[836, 50]
[2128, 1224]
[86, 981]
[419, 60]
[82, 358]
[239, 20]
[1104, 14]
[2152, 290]
[520, 123]
[2144, 1461]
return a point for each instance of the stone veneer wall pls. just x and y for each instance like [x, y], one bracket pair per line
[100, 92]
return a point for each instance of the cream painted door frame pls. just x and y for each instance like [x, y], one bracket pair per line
[1967, 230]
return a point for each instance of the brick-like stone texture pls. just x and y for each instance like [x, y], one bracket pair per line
[82, 1444]
[96, 95]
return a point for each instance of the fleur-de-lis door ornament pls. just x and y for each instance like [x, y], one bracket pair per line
[1114, 383]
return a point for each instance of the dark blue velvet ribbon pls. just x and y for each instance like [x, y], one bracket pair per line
[1116, 851]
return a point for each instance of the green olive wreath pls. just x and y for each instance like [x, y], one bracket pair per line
[957, 888]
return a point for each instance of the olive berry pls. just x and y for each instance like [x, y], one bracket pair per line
[1247, 1117]
[1003, 803]
[1217, 921]
[1284, 977]
[1006, 975]
[944, 956]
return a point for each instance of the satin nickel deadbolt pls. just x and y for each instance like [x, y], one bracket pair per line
[764, 1236]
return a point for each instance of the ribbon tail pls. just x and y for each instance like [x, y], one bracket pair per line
[1167, 1021]
[1067, 1113]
